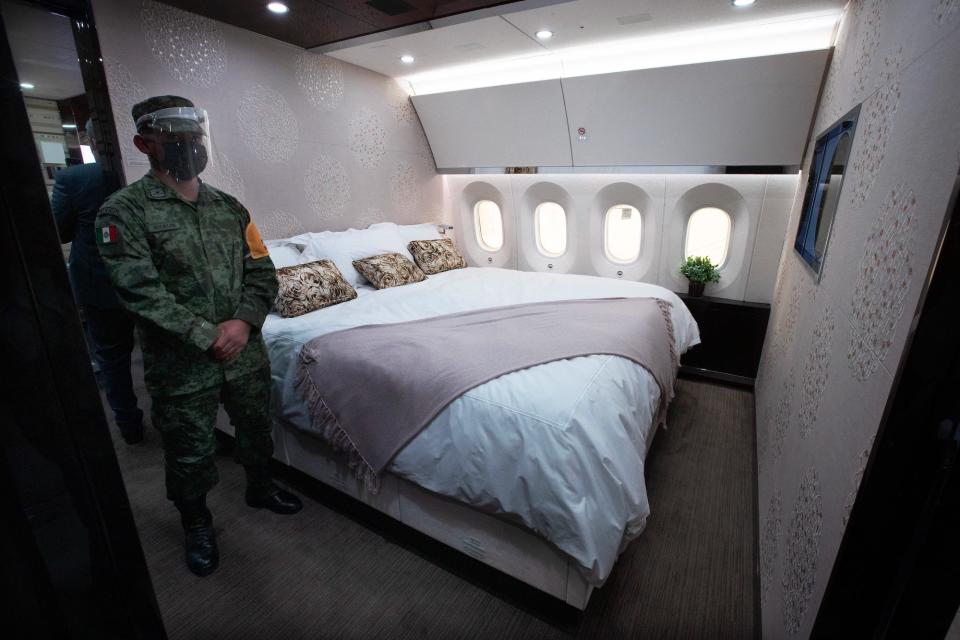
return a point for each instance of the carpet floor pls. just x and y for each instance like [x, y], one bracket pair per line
[340, 569]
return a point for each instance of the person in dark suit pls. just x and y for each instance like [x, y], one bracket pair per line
[78, 193]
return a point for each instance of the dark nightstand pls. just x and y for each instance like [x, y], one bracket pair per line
[731, 336]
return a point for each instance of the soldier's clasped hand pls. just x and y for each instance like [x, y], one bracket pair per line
[231, 339]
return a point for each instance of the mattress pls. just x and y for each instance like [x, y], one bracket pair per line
[558, 447]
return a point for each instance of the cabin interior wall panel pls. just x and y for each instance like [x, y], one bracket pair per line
[468, 190]
[305, 141]
[741, 197]
[833, 347]
[752, 111]
[646, 193]
[759, 204]
[954, 632]
[778, 199]
[529, 192]
[517, 125]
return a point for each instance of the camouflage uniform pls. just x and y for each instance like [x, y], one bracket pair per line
[181, 268]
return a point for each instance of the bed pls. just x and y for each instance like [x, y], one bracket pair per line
[539, 472]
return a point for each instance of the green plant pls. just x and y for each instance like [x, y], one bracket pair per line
[700, 269]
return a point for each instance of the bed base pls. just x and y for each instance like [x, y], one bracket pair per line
[507, 547]
[500, 544]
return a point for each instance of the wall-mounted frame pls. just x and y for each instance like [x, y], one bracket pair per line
[830, 157]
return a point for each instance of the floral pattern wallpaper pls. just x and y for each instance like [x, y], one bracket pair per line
[305, 141]
[833, 345]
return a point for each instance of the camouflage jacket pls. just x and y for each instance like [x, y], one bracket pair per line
[181, 268]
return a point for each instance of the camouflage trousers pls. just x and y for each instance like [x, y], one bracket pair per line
[186, 423]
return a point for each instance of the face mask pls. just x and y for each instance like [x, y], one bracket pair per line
[184, 159]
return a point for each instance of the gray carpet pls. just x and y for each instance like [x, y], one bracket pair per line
[341, 570]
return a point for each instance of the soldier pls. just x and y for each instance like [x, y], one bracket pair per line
[187, 261]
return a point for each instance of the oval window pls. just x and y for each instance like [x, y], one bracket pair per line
[488, 225]
[708, 234]
[622, 232]
[551, 229]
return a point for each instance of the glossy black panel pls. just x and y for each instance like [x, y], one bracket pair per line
[95, 83]
[731, 335]
[311, 23]
[896, 573]
[64, 502]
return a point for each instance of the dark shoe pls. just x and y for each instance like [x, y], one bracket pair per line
[275, 499]
[200, 540]
[132, 434]
[200, 545]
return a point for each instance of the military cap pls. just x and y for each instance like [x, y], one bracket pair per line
[169, 119]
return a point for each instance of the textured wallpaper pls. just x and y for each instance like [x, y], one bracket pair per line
[833, 347]
[306, 142]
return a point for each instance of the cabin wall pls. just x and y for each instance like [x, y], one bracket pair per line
[833, 347]
[759, 205]
[305, 141]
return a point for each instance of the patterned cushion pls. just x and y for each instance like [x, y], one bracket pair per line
[311, 286]
[389, 270]
[434, 256]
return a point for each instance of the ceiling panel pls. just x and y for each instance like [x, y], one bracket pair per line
[313, 23]
[43, 51]
[573, 23]
[457, 44]
[589, 21]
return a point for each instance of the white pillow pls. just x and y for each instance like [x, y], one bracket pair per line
[411, 232]
[300, 240]
[284, 254]
[343, 247]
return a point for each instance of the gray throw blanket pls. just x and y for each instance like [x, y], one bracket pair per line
[372, 389]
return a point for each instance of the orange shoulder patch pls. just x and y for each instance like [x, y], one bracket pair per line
[255, 242]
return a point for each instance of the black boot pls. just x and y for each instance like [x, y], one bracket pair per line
[262, 493]
[200, 541]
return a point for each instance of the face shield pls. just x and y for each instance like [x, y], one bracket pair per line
[182, 135]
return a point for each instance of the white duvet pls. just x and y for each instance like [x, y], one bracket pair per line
[559, 447]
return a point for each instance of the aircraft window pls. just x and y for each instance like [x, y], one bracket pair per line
[551, 229]
[708, 234]
[622, 232]
[488, 225]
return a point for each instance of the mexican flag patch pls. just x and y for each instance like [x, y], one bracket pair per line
[108, 234]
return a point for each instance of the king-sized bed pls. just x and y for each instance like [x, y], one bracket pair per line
[538, 472]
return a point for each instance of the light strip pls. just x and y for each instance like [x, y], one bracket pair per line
[790, 34]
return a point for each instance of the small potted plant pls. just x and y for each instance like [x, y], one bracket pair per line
[699, 271]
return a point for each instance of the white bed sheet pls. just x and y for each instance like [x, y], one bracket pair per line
[558, 447]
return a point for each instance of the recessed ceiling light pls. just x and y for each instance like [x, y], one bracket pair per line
[544, 34]
[26, 85]
[278, 7]
[407, 58]
[69, 126]
[742, 3]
